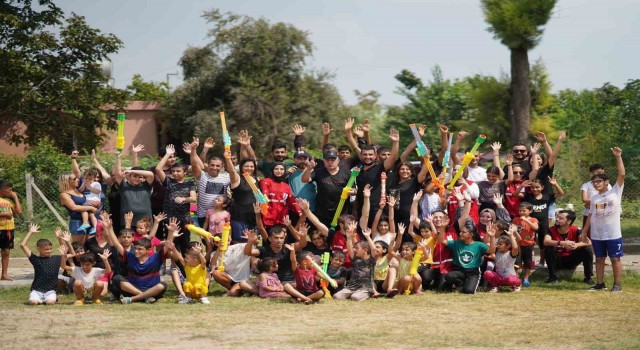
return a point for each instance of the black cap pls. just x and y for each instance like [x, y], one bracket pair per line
[330, 154]
[301, 153]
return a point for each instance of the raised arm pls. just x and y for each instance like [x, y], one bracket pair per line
[302, 233]
[617, 153]
[234, 178]
[394, 136]
[306, 174]
[107, 229]
[496, 157]
[292, 257]
[366, 207]
[304, 206]
[156, 224]
[106, 177]
[208, 144]
[75, 168]
[559, 190]
[456, 148]
[135, 149]
[170, 150]
[556, 149]
[196, 163]
[246, 151]
[33, 228]
[117, 168]
[348, 130]
[444, 142]
[252, 239]
[326, 132]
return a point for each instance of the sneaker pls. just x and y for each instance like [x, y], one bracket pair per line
[78, 302]
[616, 289]
[588, 280]
[526, 283]
[494, 290]
[516, 289]
[540, 265]
[551, 280]
[205, 300]
[92, 231]
[184, 300]
[82, 228]
[598, 287]
[98, 302]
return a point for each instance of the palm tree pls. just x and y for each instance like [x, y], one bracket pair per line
[519, 25]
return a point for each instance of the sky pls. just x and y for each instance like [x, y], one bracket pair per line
[365, 43]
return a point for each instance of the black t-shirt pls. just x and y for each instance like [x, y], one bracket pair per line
[173, 190]
[317, 251]
[370, 177]
[329, 190]
[243, 200]
[285, 274]
[92, 246]
[406, 190]
[540, 209]
[543, 175]
[45, 272]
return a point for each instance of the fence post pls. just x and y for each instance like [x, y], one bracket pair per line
[28, 180]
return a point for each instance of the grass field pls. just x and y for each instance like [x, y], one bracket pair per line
[561, 316]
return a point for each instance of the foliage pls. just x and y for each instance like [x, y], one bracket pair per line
[49, 76]
[255, 71]
[141, 90]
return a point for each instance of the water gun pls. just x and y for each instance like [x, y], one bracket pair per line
[468, 157]
[324, 259]
[201, 232]
[225, 135]
[193, 216]
[423, 152]
[322, 273]
[383, 187]
[260, 197]
[120, 137]
[344, 195]
[413, 269]
[445, 160]
[224, 244]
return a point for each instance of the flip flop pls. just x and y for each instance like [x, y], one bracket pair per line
[125, 300]
[150, 300]
[392, 294]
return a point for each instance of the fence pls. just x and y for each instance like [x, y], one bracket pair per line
[41, 202]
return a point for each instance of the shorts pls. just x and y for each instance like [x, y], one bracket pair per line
[6, 239]
[180, 275]
[73, 227]
[526, 252]
[610, 247]
[237, 228]
[105, 278]
[41, 298]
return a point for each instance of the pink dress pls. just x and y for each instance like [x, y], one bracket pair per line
[272, 281]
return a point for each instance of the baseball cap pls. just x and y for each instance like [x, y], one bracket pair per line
[301, 153]
[330, 154]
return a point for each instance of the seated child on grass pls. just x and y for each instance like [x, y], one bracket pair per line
[86, 276]
[506, 253]
[269, 285]
[196, 285]
[305, 274]
[45, 266]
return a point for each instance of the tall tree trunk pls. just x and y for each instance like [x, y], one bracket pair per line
[520, 96]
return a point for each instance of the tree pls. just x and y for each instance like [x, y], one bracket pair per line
[50, 75]
[255, 71]
[519, 25]
[141, 90]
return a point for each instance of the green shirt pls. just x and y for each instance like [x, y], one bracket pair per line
[467, 256]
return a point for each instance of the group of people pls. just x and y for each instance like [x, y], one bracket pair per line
[378, 224]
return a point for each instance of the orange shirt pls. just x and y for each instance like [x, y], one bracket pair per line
[527, 233]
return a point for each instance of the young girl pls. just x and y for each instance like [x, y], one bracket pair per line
[384, 227]
[218, 215]
[144, 229]
[305, 274]
[467, 253]
[92, 190]
[269, 285]
[319, 244]
[383, 262]
[404, 279]
[505, 272]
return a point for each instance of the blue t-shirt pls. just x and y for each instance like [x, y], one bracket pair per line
[146, 275]
[303, 190]
[467, 256]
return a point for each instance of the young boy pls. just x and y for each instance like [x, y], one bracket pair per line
[86, 276]
[92, 190]
[45, 266]
[360, 286]
[9, 207]
[604, 224]
[526, 236]
[196, 285]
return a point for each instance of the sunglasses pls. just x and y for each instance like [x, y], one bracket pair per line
[519, 151]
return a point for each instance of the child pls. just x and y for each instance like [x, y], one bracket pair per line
[360, 286]
[527, 227]
[384, 227]
[196, 285]
[507, 252]
[86, 276]
[218, 215]
[92, 190]
[336, 271]
[404, 279]
[305, 274]
[45, 266]
[9, 207]
[269, 285]
[384, 262]
[319, 245]
[144, 229]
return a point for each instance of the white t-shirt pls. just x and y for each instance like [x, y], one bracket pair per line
[236, 264]
[588, 187]
[605, 214]
[88, 279]
[210, 188]
[384, 238]
[477, 174]
[94, 196]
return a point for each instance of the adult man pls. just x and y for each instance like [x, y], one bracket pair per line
[604, 223]
[566, 248]
[300, 189]
[520, 157]
[211, 183]
[330, 181]
[344, 152]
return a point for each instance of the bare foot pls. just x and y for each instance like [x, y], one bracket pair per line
[418, 292]
[6, 278]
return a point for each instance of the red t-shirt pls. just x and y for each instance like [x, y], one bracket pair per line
[527, 233]
[572, 235]
[306, 280]
[339, 244]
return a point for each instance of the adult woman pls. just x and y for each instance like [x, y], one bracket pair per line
[493, 185]
[281, 198]
[511, 198]
[73, 200]
[242, 215]
[406, 184]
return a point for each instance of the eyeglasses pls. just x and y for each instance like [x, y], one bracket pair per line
[518, 172]
[519, 151]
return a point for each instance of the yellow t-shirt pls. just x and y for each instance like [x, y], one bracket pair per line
[431, 243]
[6, 223]
[196, 274]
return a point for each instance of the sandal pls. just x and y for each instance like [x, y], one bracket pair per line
[150, 300]
[125, 300]
[78, 302]
[98, 302]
